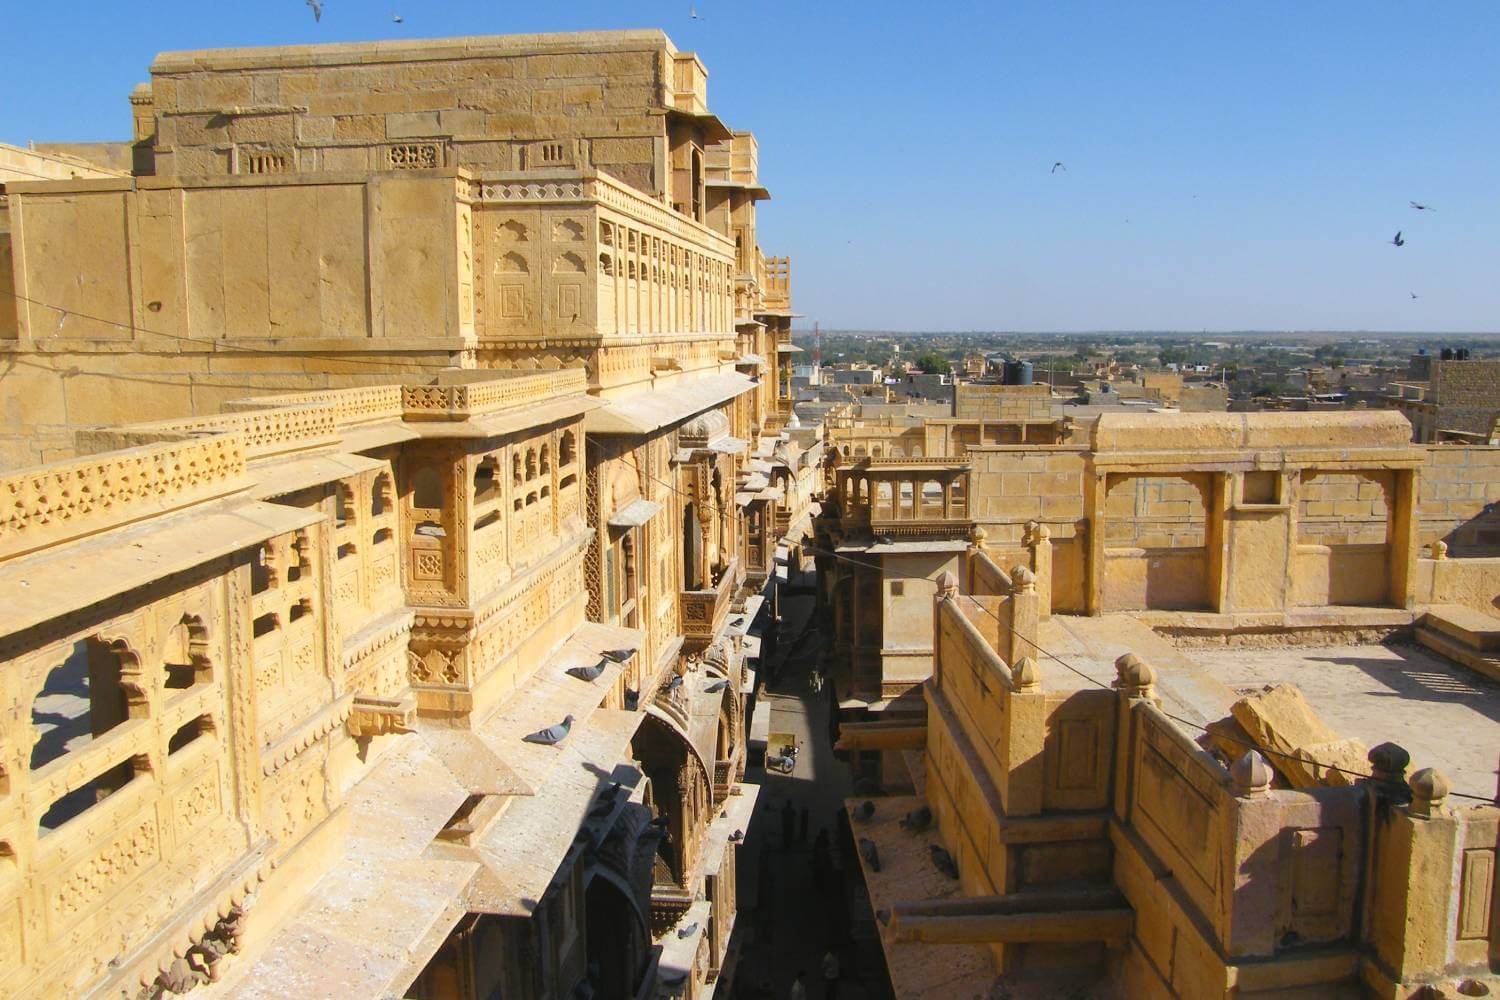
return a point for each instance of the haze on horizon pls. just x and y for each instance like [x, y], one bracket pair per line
[1226, 169]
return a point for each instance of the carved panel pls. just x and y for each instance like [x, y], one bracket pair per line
[132, 850]
[1476, 893]
[414, 156]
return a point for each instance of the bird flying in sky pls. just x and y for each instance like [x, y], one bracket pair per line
[1397, 240]
[1415, 295]
[1058, 166]
[317, 9]
[1421, 207]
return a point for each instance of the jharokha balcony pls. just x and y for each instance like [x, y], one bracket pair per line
[705, 611]
[911, 498]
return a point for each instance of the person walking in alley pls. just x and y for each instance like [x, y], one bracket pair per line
[830, 975]
[821, 860]
[799, 986]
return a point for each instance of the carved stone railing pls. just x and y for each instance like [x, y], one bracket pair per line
[704, 611]
[926, 528]
[594, 186]
[53, 503]
[360, 405]
[265, 432]
[460, 402]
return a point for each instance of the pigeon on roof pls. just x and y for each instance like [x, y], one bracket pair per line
[673, 684]
[943, 861]
[687, 931]
[552, 735]
[618, 655]
[588, 672]
[918, 819]
[870, 853]
[716, 686]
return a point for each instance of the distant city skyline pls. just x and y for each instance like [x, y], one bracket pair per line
[1225, 168]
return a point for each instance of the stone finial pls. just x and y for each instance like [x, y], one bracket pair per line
[1429, 790]
[1036, 533]
[1251, 774]
[1023, 580]
[1439, 549]
[1134, 676]
[947, 586]
[1388, 763]
[978, 536]
[1026, 674]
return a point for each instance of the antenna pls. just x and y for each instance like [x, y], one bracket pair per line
[817, 345]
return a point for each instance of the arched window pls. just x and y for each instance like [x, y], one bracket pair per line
[81, 699]
[380, 495]
[530, 463]
[516, 473]
[487, 480]
[565, 449]
[185, 654]
[546, 459]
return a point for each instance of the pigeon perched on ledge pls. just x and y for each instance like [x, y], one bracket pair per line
[870, 853]
[917, 820]
[552, 735]
[864, 810]
[688, 931]
[716, 686]
[943, 861]
[618, 655]
[588, 672]
[737, 836]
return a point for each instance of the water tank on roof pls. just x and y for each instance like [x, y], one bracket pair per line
[1016, 373]
[1447, 354]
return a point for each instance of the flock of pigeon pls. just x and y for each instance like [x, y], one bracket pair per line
[1397, 240]
[917, 821]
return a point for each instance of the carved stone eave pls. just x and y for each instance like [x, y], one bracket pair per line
[204, 916]
[383, 716]
[314, 729]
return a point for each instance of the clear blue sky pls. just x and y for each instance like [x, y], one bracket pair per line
[1229, 166]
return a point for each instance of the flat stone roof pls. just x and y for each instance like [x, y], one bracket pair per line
[1445, 715]
[412, 49]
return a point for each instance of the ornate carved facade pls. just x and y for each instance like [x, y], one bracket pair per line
[433, 635]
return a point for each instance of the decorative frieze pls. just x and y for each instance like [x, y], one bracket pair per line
[53, 503]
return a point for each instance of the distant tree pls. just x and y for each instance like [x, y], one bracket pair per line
[1171, 355]
[934, 364]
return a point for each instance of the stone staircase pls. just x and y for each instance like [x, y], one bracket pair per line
[1463, 635]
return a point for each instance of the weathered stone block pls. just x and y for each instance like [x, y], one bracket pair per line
[1280, 720]
[412, 124]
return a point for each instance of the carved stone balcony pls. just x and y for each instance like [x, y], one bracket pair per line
[704, 611]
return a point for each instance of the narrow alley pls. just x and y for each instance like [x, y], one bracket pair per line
[802, 897]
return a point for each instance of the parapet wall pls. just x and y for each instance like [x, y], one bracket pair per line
[1460, 498]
